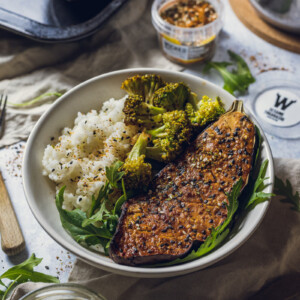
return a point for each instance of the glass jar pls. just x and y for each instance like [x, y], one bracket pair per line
[186, 45]
[65, 291]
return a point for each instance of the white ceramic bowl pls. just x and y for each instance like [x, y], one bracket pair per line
[40, 191]
[288, 21]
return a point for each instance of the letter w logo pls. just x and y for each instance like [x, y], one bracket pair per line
[283, 102]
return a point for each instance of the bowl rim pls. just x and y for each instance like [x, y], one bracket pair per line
[145, 272]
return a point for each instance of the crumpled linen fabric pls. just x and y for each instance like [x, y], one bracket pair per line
[29, 69]
[267, 266]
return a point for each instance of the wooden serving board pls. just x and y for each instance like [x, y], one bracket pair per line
[248, 15]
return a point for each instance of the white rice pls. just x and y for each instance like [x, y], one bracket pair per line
[77, 159]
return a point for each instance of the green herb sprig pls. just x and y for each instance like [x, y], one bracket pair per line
[257, 196]
[285, 191]
[30, 103]
[98, 225]
[238, 79]
[254, 193]
[22, 273]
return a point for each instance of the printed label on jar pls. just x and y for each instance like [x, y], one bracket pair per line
[278, 107]
[186, 53]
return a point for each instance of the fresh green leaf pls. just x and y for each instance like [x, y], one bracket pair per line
[104, 220]
[114, 181]
[119, 203]
[124, 189]
[74, 217]
[238, 79]
[93, 205]
[286, 192]
[98, 216]
[122, 199]
[28, 264]
[113, 174]
[99, 224]
[25, 272]
[83, 236]
[233, 202]
[72, 222]
[36, 100]
[259, 141]
[105, 190]
[258, 195]
[10, 287]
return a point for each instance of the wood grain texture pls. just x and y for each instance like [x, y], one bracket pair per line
[12, 240]
[248, 15]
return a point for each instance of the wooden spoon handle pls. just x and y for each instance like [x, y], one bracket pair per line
[12, 240]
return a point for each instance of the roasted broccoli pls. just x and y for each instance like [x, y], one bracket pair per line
[143, 85]
[204, 111]
[139, 112]
[168, 140]
[173, 96]
[137, 173]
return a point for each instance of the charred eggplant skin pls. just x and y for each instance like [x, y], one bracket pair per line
[188, 197]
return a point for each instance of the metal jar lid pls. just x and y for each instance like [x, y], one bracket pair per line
[275, 101]
[66, 291]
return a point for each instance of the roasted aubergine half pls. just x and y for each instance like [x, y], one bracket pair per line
[188, 197]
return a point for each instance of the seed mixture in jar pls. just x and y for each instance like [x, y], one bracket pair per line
[189, 13]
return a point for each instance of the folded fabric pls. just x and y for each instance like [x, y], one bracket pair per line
[272, 253]
[29, 69]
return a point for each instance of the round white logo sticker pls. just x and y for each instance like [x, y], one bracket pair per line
[278, 107]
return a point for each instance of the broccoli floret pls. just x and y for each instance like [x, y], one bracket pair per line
[173, 96]
[143, 85]
[137, 171]
[204, 111]
[169, 139]
[138, 112]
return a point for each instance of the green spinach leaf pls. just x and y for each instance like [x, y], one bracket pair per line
[259, 141]
[257, 196]
[113, 174]
[99, 224]
[25, 272]
[72, 223]
[103, 215]
[238, 79]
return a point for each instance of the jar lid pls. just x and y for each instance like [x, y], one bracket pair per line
[65, 291]
[275, 101]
